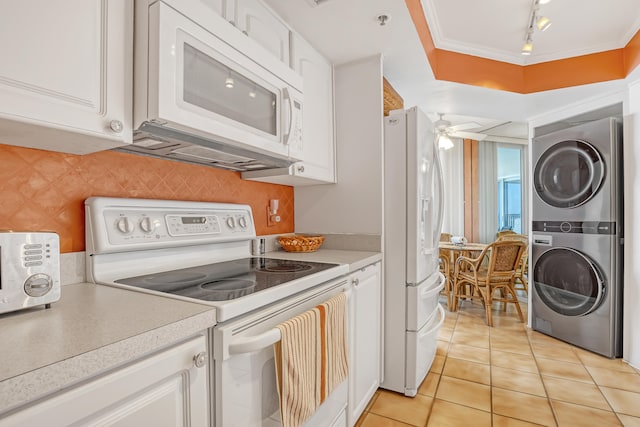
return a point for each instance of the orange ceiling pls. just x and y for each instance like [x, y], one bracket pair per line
[473, 70]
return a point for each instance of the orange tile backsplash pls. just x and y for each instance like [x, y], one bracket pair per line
[45, 190]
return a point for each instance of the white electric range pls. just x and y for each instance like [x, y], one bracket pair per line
[201, 252]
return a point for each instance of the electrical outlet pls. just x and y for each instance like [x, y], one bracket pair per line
[272, 219]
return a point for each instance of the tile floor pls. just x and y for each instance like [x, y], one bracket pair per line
[511, 376]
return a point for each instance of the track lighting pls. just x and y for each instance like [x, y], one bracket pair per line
[543, 23]
[527, 47]
[535, 20]
[228, 82]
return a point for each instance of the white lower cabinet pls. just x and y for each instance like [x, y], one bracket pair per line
[166, 389]
[365, 320]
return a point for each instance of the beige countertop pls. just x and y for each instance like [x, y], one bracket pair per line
[92, 329]
[355, 259]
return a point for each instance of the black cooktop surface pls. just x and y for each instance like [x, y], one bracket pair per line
[227, 280]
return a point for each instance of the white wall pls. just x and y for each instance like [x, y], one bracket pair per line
[354, 204]
[631, 323]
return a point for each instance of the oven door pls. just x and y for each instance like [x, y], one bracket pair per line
[246, 393]
[199, 83]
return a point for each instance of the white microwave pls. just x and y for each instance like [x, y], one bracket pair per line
[206, 93]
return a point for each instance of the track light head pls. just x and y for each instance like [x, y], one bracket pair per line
[543, 23]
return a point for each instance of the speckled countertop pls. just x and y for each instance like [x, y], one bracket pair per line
[355, 259]
[92, 329]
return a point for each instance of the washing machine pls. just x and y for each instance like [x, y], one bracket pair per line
[577, 294]
[576, 245]
[576, 173]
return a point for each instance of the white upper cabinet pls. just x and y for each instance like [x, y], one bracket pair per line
[318, 135]
[66, 77]
[263, 26]
[318, 141]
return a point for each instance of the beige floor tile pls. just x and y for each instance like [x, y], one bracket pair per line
[521, 381]
[520, 362]
[629, 421]
[500, 421]
[575, 392]
[625, 402]
[564, 353]
[447, 414]
[516, 346]
[437, 365]
[522, 406]
[615, 379]
[595, 360]
[429, 385]
[445, 334]
[470, 353]
[569, 371]
[570, 415]
[442, 348]
[373, 420]
[465, 393]
[509, 334]
[466, 370]
[470, 339]
[410, 410]
[539, 338]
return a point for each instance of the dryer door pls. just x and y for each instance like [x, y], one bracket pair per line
[568, 282]
[568, 174]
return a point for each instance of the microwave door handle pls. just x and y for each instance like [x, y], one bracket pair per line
[288, 100]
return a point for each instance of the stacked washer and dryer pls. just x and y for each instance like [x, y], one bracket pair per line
[576, 251]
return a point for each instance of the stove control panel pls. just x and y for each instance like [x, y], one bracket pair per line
[132, 226]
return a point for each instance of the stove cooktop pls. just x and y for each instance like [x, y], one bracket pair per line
[227, 280]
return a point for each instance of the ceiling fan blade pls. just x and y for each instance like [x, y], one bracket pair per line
[463, 126]
[468, 135]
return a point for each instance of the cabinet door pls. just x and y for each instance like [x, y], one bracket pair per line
[163, 390]
[262, 25]
[365, 339]
[66, 78]
[317, 116]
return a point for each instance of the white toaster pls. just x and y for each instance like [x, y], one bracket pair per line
[29, 269]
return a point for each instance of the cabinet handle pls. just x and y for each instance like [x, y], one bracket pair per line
[355, 281]
[300, 168]
[200, 359]
[116, 126]
[245, 32]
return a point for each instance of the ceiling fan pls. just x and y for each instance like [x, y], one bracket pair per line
[444, 128]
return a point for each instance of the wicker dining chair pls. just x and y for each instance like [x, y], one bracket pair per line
[444, 261]
[522, 272]
[499, 274]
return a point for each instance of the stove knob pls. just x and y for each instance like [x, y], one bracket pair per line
[124, 225]
[148, 225]
[231, 222]
[243, 222]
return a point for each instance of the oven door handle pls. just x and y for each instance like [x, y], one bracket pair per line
[241, 345]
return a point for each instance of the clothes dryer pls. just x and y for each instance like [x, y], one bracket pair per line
[577, 292]
[576, 173]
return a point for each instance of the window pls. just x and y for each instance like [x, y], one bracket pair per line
[509, 188]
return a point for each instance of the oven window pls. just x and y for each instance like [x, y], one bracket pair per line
[568, 174]
[211, 85]
[568, 282]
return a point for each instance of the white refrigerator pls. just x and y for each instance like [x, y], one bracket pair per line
[413, 213]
